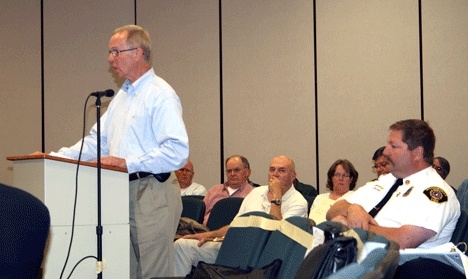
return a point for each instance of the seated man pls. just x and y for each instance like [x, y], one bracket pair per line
[423, 212]
[381, 163]
[442, 166]
[187, 186]
[279, 198]
[237, 185]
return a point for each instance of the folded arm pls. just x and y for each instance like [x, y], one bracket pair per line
[407, 236]
[354, 216]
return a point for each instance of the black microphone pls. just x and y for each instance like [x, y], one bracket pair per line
[107, 93]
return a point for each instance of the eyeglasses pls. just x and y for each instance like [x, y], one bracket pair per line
[116, 52]
[344, 175]
[236, 170]
[382, 165]
[437, 168]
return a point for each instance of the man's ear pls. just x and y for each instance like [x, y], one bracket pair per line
[419, 151]
[139, 53]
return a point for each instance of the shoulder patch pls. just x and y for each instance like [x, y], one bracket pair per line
[436, 194]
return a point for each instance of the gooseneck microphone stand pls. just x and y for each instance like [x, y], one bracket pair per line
[99, 226]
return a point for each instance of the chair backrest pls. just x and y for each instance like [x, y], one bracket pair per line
[307, 191]
[193, 208]
[24, 228]
[460, 234]
[282, 246]
[243, 244]
[223, 212]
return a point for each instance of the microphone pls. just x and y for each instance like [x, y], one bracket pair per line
[107, 93]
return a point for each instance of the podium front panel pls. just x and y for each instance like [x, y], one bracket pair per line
[115, 252]
[54, 183]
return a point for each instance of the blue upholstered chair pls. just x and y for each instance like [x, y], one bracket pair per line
[242, 246]
[460, 234]
[283, 247]
[193, 208]
[223, 212]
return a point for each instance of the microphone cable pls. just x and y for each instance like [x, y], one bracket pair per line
[75, 200]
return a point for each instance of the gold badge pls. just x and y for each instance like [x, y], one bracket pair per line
[436, 194]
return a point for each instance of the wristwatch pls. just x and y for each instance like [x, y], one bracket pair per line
[277, 202]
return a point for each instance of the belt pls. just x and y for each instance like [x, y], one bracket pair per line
[161, 177]
[138, 175]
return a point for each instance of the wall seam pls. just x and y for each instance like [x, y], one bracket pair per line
[221, 107]
[317, 167]
[421, 71]
[42, 81]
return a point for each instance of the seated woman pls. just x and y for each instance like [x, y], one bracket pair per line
[342, 178]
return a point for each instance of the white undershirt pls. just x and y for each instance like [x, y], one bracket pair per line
[231, 190]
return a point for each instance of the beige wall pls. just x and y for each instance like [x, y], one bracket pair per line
[20, 79]
[366, 76]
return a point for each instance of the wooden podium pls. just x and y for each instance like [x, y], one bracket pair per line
[53, 181]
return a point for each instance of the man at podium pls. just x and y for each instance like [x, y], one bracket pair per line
[142, 131]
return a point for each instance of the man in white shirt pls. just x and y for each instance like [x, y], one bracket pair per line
[185, 178]
[423, 212]
[279, 198]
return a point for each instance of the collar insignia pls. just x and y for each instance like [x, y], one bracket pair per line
[408, 191]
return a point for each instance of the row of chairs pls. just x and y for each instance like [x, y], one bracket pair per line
[222, 214]
[259, 248]
[250, 246]
[253, 247]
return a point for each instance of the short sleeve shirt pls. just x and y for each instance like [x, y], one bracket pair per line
[424, 200]
[293, 203]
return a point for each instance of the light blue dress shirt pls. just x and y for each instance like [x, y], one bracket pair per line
[142, 124]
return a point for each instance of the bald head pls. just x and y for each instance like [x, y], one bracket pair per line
[286, 161]
[185, 175]
[284, 169]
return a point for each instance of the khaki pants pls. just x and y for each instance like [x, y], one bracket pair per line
[155, 210]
